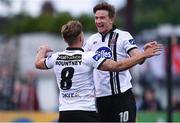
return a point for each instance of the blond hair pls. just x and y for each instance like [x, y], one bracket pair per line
[71, 30]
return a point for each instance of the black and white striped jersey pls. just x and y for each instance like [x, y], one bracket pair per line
[114, 45]
[74, 73]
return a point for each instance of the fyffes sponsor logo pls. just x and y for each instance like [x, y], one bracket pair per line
[103, 52]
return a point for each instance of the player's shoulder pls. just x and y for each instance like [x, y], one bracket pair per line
[56, 54]
[122, 32]
[93, 36]
[90, 41]
[123, 35]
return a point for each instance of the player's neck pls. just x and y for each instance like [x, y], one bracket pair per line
[75, 46]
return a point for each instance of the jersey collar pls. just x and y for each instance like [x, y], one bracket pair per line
[73, 48]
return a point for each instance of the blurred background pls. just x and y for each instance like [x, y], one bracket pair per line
[28, 94]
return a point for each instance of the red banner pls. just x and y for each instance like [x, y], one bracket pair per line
[176, 59]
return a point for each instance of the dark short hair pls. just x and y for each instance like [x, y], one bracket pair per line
[71, 30]
[105, 6]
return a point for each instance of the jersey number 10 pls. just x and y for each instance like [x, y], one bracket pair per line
[124, 116]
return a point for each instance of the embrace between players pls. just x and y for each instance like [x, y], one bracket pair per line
[93, 77]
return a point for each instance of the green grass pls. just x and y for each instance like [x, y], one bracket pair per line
[156, 117]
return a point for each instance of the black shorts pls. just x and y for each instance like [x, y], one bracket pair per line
[78, 116]
[117, 108]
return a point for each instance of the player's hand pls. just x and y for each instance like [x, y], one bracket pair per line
[153, 50]
[150, 45]
[45, 48]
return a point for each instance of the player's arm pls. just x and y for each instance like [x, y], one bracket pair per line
[110, 65]
[41, 56]
[137, 51]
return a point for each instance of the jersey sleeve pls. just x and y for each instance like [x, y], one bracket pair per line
[50, 61]
[129, 42]
[94, 60]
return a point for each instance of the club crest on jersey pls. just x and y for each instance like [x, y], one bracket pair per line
[103, 52]
[132, 41]
[95, 42]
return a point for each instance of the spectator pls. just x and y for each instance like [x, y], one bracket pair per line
[16, 94]
[149, 101]
[25, 96]
[147, 77]
[6, 84]
[176, 103]
[1, 94]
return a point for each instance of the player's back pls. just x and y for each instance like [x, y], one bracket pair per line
[74, 73]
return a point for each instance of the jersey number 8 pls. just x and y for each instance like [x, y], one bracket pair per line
[66, 76]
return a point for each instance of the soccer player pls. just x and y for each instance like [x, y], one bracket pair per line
[73, 69]
[115, 100]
